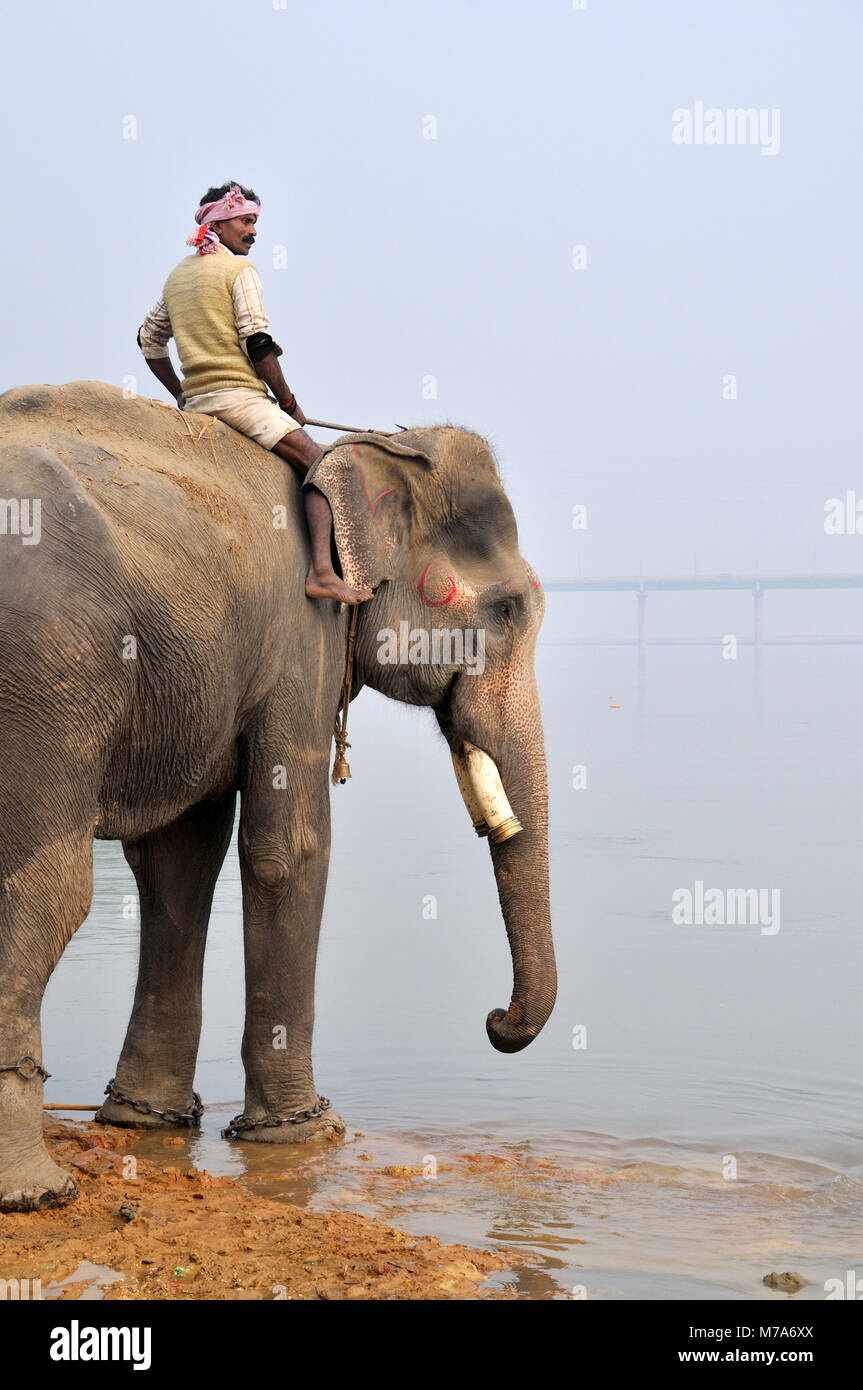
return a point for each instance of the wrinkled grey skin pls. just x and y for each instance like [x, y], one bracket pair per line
[152, 534]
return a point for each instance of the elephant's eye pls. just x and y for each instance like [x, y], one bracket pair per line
[507, 610]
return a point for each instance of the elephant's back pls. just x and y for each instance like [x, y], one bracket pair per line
[108, 441]
[147, 599]
[146, 527]
[162, 483]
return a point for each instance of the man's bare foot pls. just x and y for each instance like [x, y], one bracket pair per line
[330, 586]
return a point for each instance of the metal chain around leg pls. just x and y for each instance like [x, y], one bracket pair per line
[27, 1073]
[245, 1122]
[190, 1116]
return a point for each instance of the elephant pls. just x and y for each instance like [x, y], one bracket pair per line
[158, 658]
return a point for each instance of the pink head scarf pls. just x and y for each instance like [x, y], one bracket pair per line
[232, 205]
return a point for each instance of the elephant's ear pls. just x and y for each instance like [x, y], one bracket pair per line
[366, 481]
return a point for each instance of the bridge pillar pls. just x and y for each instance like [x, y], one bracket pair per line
[641, 595]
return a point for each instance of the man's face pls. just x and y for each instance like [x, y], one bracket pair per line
[237, 233]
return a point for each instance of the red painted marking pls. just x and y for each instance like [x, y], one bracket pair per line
[429, 603]
[373, 506]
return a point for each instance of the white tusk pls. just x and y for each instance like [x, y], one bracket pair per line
[462, 776]
[484, 795]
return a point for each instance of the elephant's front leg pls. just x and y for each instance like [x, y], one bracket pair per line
[284, 854]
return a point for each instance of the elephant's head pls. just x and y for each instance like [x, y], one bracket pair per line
[422, 519]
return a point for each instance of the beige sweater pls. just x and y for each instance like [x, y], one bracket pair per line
[197, 296]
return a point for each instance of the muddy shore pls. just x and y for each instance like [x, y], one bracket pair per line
[141, 1230]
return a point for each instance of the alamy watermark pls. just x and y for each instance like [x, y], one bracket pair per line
[20, 1290]
[21, 516]
[436, 646]
[77, 1343]
[843, 516]
[850, 1287]
[735, 125]
[721, 907]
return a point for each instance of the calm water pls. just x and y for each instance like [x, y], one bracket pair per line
[706, 1046]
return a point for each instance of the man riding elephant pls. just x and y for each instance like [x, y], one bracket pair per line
[212, 306]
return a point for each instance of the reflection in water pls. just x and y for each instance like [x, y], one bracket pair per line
[604, 1164]
[94, 1278]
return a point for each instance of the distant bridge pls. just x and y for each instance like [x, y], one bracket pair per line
[757, 584]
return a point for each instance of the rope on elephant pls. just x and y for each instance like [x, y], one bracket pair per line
[341, 769]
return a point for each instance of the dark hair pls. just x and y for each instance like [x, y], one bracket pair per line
[213, 195]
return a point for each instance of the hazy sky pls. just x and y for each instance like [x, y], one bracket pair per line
[410, 257]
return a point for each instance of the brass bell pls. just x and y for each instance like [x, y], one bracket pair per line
[341, 770]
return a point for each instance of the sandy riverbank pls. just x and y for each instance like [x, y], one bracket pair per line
[172, 1234]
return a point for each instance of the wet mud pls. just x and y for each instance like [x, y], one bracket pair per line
[142, 1229]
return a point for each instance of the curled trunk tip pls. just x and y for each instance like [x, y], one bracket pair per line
[509, 1031]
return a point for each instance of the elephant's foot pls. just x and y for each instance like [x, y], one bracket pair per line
[131, 1112]
[113, 1112]
[329, 1125]
[36, 1186]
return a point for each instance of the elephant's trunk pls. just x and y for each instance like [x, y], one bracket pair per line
[514, 808]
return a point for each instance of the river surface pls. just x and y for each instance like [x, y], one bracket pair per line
[692, 1116]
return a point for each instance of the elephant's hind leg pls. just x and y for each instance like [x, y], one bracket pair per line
[45, 893]
[176, 870]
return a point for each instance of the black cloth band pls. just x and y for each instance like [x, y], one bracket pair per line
[260, 345]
